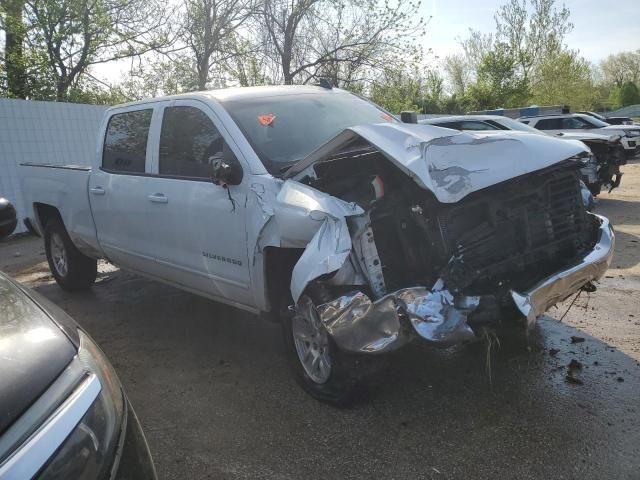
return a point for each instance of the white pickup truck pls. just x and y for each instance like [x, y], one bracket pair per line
[316, 207]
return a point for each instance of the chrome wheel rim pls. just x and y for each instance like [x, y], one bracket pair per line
[311, 341]
[59, 255]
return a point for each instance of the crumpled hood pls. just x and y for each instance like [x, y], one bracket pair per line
[449, 163]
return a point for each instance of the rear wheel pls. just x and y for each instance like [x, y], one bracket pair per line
[323, 371]
[71, 268]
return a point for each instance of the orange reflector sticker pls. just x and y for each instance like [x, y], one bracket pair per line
[386, 117]
[266, 120]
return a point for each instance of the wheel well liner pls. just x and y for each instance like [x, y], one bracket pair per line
[278, 266]
[45, 213]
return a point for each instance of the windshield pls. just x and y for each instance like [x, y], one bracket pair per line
[286, 128]
[514, 125]
[593, 121]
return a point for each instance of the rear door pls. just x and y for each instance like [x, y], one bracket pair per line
[121, 191]
[550, 125]
[200, 236]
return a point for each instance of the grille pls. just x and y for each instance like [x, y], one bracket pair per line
[510, 234]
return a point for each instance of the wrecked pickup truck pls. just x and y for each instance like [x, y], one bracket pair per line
[314, 206]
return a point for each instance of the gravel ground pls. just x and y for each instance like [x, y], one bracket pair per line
[214, 395]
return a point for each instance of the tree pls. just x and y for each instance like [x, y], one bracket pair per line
[458, 72]
[621, 67]
[475, 47]
[15, 69]
[497, 85]
[628, 94]
[210, 29]
[307, 39]
[397, 90]
[564, 78]
[69, 36]
[531, 30]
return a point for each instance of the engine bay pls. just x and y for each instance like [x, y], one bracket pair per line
[507, 236]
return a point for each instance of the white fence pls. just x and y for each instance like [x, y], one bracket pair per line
[43, 132]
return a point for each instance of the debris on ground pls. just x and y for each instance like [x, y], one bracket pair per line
[575, 365]
[620, 379]
[553, 352]
[573, 380]
[575, 339]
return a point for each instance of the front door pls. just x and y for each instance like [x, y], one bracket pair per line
[200, 236]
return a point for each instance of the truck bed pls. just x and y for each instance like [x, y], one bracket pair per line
[65, 188]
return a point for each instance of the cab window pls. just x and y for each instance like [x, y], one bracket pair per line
[125, 142]
[189, 143]
[549, 124]
[573, 123]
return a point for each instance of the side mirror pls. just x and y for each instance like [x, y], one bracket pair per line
[409, 117]
[226, 169]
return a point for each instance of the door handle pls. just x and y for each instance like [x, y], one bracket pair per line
[97, 190]
[158, 198]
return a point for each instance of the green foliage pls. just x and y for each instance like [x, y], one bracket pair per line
[628, 94]
[497, 83]
[396, 90]
[564, 78]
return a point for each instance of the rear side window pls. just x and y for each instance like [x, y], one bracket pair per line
[549, 124]
[189, 143]
[472, 125]
[572, 123]
[451, 125]
[125, 144]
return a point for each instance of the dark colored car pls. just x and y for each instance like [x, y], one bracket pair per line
[63, 412]
[8, 218]
[619, 121]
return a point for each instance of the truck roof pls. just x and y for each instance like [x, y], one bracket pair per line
[234, 93]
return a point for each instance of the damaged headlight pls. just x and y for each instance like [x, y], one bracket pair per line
[89, 451]
[633, 133]
[585, 158]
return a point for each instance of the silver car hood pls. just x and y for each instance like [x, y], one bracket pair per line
[449, 163]
[573, 135]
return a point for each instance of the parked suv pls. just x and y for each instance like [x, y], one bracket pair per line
[558, 124]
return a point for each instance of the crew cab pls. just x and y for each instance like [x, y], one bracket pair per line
[317, 208]
[570, 122]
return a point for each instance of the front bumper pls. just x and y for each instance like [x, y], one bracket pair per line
[561, 285]
[359, 325]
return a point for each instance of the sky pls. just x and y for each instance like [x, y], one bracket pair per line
[601, 27]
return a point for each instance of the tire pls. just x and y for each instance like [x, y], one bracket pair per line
[8, 218]
[344, 377]
[72, 270]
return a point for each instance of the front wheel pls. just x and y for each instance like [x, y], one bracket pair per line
[71, 268]
[323, 371]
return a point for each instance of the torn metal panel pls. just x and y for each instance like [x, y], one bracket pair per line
[359, 325]
[367, 253]
[559, 286]
[437, 316]
[451, 164]
[301, 208]
[326, 253]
